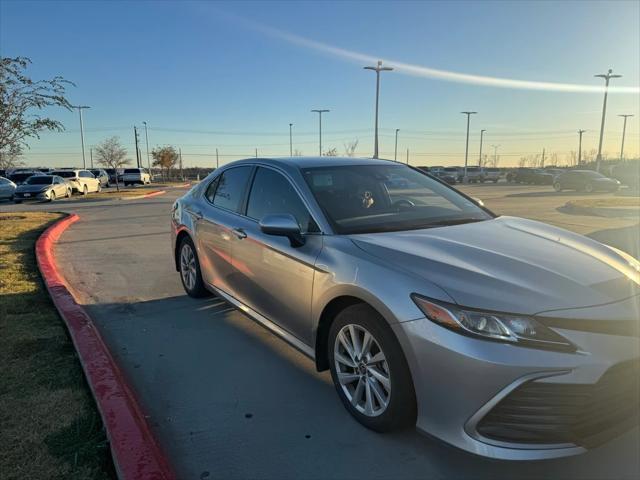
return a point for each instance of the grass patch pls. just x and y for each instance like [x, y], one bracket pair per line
[606, 202]
[50, 427]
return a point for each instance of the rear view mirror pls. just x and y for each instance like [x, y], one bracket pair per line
[283, 225]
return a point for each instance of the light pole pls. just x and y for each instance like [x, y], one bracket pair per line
[146, 139]
[466, 150]
[378, 68]
[290, 140]
[480, 157]
[495, 155]
[624, 130]
[395, 153]
[320, 112]
[580, 132]
[80, 108]
[607, 76]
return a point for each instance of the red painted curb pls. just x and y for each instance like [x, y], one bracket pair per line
[152, 194]
[135, 451]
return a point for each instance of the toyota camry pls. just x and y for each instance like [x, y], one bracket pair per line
[505, 337]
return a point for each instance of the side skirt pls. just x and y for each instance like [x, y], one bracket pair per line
[268, 324]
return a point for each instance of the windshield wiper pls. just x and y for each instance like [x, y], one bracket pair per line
[455, 221]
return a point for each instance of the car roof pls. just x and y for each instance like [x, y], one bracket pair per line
[314, 162]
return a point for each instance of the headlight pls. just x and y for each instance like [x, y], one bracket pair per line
[503, 327]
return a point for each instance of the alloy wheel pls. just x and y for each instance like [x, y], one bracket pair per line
[188, 266]
[362, 370]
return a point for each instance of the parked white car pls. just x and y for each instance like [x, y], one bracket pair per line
[490, 174]
[81, 181]
[132, 176]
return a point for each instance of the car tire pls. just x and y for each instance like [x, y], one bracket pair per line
[99, 188]
[85, 189]
[189, 267]
[371, 382]
[52, 196]
[17, 201]
[588, 187]
[557, 187]
[69, 192]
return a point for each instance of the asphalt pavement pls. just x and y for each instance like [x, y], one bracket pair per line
[226, 398]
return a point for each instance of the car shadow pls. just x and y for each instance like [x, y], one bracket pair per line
[226, 396]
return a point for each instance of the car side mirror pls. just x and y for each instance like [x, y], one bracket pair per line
[282, 225]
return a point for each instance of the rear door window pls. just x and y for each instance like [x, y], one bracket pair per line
[231, 188]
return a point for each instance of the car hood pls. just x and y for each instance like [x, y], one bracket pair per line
[510, 264]
[32, 188]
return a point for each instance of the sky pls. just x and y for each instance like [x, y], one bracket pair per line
[234, 75]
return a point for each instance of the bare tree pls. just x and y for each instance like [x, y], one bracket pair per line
[297, 153]
[10, 158]
[493, 161]
[333, 152]
[165, 157]
[350, 148]
[572, 158]
[20, 100]
[522, 162]
[111, 154]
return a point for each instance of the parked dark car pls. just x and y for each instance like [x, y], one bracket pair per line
[445, 177]
[102, 176]
[21, 177]
[585, 181]
[112, 172]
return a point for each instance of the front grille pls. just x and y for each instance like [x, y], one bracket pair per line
[551, 413]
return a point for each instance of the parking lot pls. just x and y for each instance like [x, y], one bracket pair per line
[227, 399]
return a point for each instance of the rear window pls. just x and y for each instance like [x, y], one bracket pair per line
[231, 188]
[451, 170]
[131, 170]
[63, 174]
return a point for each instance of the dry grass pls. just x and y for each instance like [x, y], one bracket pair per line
[606, 202]
[50, 427]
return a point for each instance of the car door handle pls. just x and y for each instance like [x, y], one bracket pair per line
[239, 233]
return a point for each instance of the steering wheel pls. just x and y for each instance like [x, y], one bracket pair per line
[402, 203]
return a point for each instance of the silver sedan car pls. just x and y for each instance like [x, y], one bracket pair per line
[505, 337]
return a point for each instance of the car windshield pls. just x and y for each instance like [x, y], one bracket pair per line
[592, 174]
[131, 170]
[381, 198]
[40, 180]
[69, 174]
[97, 173]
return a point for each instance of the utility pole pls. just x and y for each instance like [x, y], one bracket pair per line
[80, 108]
[217, 159]
[180, 156]
[378, 68]
[624, 130]
[91, 155]
[495, 155]
[135, 134]
[542, 165]
[146, 138]
[466, 150]
[407, 156]
[395, 152]
[480, 156]
[580, 132]
[607, 76]
[256, 153]
[290, 140]
[320, 112]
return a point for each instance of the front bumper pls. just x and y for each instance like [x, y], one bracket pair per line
[460, 381]
[26, 196]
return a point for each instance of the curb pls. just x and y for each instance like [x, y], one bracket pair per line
[607, 212]
[148, 195]
[135, 451]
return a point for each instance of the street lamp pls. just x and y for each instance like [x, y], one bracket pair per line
[607, 76]
[466, 150]
[290, 140]
[80, 108]
[395, 153]
[624, 130]
[480, 156]
[378, 68]
[146, 139]
[320, 112]
[580, 132]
